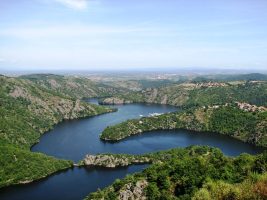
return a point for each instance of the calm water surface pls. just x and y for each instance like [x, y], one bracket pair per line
[74, 139]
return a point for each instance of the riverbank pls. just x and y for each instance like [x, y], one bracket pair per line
[226, 119]
[110, 160]
[21, 166]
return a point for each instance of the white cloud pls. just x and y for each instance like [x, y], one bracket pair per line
[75, 4]
[2, 60]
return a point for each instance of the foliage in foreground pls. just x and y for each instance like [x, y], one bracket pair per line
[197, 173]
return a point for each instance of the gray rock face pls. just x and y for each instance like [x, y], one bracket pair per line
[112, 161]
[134, 192]
[250, 108]
[89, 159]
[114, 101]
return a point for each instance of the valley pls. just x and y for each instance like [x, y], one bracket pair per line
[52, 103]
[133, 100]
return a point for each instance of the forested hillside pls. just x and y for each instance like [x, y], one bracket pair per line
[202, 93]
[227, 119]
[27, 110]
[20, 166]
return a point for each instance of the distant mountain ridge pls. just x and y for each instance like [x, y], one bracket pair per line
[202, 93]
[234, 77]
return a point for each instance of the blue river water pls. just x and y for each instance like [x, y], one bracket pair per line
[75, 138]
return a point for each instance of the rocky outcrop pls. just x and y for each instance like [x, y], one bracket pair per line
[153, 94]
[211, 84]
[133, 192]
[250, 108]
[112, 161]
[164, 100]
[19, 92]
[54, 84]
[114, 101]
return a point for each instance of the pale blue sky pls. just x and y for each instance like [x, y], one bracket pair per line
[124, 34]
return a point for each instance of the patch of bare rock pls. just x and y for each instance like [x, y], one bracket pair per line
[112, 161]
[115, 101]
[134, 192]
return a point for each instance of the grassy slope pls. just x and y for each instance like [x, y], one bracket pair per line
[27, 109]
[196, 173]
[229, 120]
